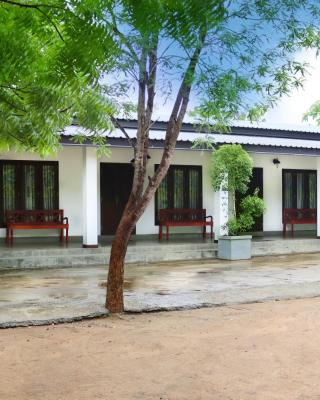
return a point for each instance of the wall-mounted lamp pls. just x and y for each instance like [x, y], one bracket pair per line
[276, 162]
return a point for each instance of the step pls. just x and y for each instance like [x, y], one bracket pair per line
[72, 257]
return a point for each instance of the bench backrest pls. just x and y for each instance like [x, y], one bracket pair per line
[299, 214]
[182, 214]
[34, 216]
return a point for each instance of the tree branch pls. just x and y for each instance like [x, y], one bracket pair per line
[174, 124]
[37, 7]
[51, 22]
[121, 36]
[139, 162]
[117, 123]
[29, 5]
[152, 76]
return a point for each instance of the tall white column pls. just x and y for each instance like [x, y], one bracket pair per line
[90, 197]
[318, 197]
[223, 212]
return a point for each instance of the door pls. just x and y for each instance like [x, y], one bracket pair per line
[115, 187]
[256, 182]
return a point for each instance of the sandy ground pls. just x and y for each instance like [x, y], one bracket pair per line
[256, 351]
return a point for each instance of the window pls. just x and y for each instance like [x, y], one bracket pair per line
[28, 185]
[299, 188]
[181, 188]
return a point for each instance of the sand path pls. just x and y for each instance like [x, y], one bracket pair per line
[257, 351]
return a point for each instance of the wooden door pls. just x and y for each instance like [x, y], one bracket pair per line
[255, 182]
[115, 187]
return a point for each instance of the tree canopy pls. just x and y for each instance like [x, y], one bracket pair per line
[247, 52]
[231, 168]
[65, 58]
[53, 54]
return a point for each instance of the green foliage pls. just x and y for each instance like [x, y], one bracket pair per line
[313, 113]
[231, 168]
[203, 143]
[61, 59]
[251, 207]
[246, 62]
[249, 61]
[52, 56]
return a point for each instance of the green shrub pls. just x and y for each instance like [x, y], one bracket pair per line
[231, 170]
[251, 207]
[231, 161]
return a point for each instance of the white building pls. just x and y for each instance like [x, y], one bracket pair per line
[92, 191]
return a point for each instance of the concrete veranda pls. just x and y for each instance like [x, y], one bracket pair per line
[44, 295]
[48, 252]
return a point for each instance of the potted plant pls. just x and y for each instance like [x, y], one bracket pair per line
[231, 170]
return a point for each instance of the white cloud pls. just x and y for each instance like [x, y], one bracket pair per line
[291, 108]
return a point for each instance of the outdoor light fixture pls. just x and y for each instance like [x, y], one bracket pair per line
[276, 162]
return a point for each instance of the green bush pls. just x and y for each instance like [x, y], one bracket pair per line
[231, 161]
[251, 207]
[231, 170]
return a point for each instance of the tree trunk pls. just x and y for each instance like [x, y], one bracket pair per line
[114, 299]
[140, 199]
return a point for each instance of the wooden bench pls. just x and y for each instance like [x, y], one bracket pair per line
[184, 217]
[36, 219]
[298, 216]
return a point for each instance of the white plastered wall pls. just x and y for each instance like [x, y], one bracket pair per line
[70, 160]
[70, 186]
[146, 224]
[272, 185]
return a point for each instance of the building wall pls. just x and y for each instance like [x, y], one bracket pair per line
[70, 186]
[272, 185]
[70, 160]
[146, 224]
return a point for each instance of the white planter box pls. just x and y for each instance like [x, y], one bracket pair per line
[234, 247]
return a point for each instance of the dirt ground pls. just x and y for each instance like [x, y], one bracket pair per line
[256, 351]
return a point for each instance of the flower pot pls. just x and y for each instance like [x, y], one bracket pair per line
[234, 247]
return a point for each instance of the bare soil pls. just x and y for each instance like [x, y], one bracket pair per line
[256, 351]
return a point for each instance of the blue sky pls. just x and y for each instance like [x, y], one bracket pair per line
[290, 109]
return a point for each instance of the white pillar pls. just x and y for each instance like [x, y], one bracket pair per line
[90, 197]
[223, 212]
[318, 197]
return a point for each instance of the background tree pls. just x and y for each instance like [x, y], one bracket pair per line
[234, 57]
[53, 54]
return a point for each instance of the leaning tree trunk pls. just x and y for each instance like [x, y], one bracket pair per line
[114, 300]
[132, 213]
[139, 198]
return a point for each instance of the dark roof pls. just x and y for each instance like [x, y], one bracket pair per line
[235, 130]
